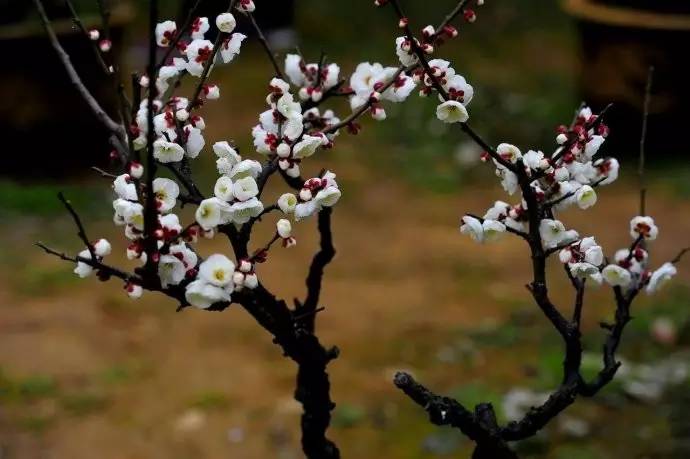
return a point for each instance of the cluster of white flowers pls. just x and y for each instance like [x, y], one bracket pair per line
[630, 268]
[312, 80]
[284, 134]
[568, 178]
[287, 133]
[368, 81]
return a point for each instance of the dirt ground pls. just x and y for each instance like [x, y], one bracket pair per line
[89, 373]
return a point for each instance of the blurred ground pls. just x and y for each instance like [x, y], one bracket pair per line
[84, 372]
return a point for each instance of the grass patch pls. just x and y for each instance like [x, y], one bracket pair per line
[26, 389]
[83, 404]
[211, 400]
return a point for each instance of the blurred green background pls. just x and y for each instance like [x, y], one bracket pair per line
[84, 372]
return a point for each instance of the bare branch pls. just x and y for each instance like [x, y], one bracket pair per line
[209, 63]
[643, 140]
[82, 28]
[77, 221]
[322, 258]
[95, 107]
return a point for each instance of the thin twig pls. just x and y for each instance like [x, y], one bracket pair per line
[80, 226]
[680, 255]
[150, 210]
[209, 63]
[643, 140]
[93, 104]
[323, 257]
[94, 46]
[103, 173]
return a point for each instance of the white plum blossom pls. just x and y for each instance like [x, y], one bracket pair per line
[660, 277]
[170, 225]
[231, 47]
[125, 188]
[403, 48]
[198, 52]
[493, 230]
[164, 75]
[293, 70]
[486, 231]
[188, 257]
[535, 160]
[593, 146]
[83, 270]
[509, 180]
[131, 213]
[452, 111]
[136, 170]
[245, 188]
[166, 192]
[102, 248]
[616, 276]
[246, 5]
[199, 28]
[585, 197]
[327, 197]
[287, 203]
[243, 211]
[292, 112]
[584, 270]
[226, 22]
[246, 168]
[167, 152]
[284, 228]
[213, 212]
[553, 233]
[195, 141]
[212, 92]
[472, 227]
[134, 291]
[251, 281]
[645, 227]
[606, 170]
[171, 270]
[223, 188]
[306, 147]
[509, 152]
[203, 295]
[217, 270]
[316, 194]
[165, 33]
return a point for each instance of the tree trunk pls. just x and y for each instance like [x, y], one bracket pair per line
[498, 450]
[312, 392]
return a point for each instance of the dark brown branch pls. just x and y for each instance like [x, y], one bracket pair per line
[643, 139]
[209, 63]
[361, 110]
[93, 104]
[322, 258]
[150, 208]
[81, 231]
[680, 255]
[313, 385]
[94, 46]
[442, 92]
[103, 173]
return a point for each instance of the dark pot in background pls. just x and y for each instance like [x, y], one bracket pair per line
[620, 40]
[46, 126]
